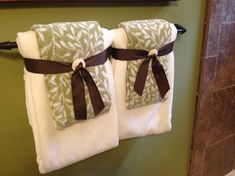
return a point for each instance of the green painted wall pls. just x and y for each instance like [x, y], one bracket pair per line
[162, 155]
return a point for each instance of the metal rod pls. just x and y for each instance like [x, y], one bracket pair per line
[11, 45]
[8, 45]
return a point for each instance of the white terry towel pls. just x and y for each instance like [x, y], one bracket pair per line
[56, 149]
[145, 120]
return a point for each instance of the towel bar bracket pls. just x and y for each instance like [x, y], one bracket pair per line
[180, 29]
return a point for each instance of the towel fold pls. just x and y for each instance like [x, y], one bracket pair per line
[56, 149]
[146, 114]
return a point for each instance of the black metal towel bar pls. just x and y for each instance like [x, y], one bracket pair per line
[10, 45]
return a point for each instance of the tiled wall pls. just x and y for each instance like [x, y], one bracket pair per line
[213, 147]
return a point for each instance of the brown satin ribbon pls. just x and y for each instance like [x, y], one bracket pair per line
[157, 68]
[79, 76]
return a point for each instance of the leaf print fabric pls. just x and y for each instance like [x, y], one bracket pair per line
[145, 35]
[67, 42]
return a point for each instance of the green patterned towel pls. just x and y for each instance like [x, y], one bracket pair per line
[145, 35]
[67, 42]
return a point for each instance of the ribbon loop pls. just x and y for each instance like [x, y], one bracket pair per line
[78, 62]
[153, 52]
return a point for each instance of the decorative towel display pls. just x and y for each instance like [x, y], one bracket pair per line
[145, 87]
[72, 42]
[55, 148]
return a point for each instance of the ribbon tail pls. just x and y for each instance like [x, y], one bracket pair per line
[96, 99]
[78, 95]
[160, 77]
[141, 77]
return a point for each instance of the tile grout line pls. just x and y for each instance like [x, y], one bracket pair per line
[228, 22]
[212, 57]
[203, 162]
[227, 87]
[218, 141]
[219, 42]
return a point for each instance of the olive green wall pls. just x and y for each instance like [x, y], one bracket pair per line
[163, 155]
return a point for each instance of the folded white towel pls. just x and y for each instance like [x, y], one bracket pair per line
[145, 120]
[59, 148]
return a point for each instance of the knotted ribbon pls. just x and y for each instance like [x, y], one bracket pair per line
[157, 68]
[79, 76]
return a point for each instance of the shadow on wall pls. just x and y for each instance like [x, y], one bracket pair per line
[10, 55]
[73, 3]
[89, 166]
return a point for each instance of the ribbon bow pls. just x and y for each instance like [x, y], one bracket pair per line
[79, 76]
[157, 68]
